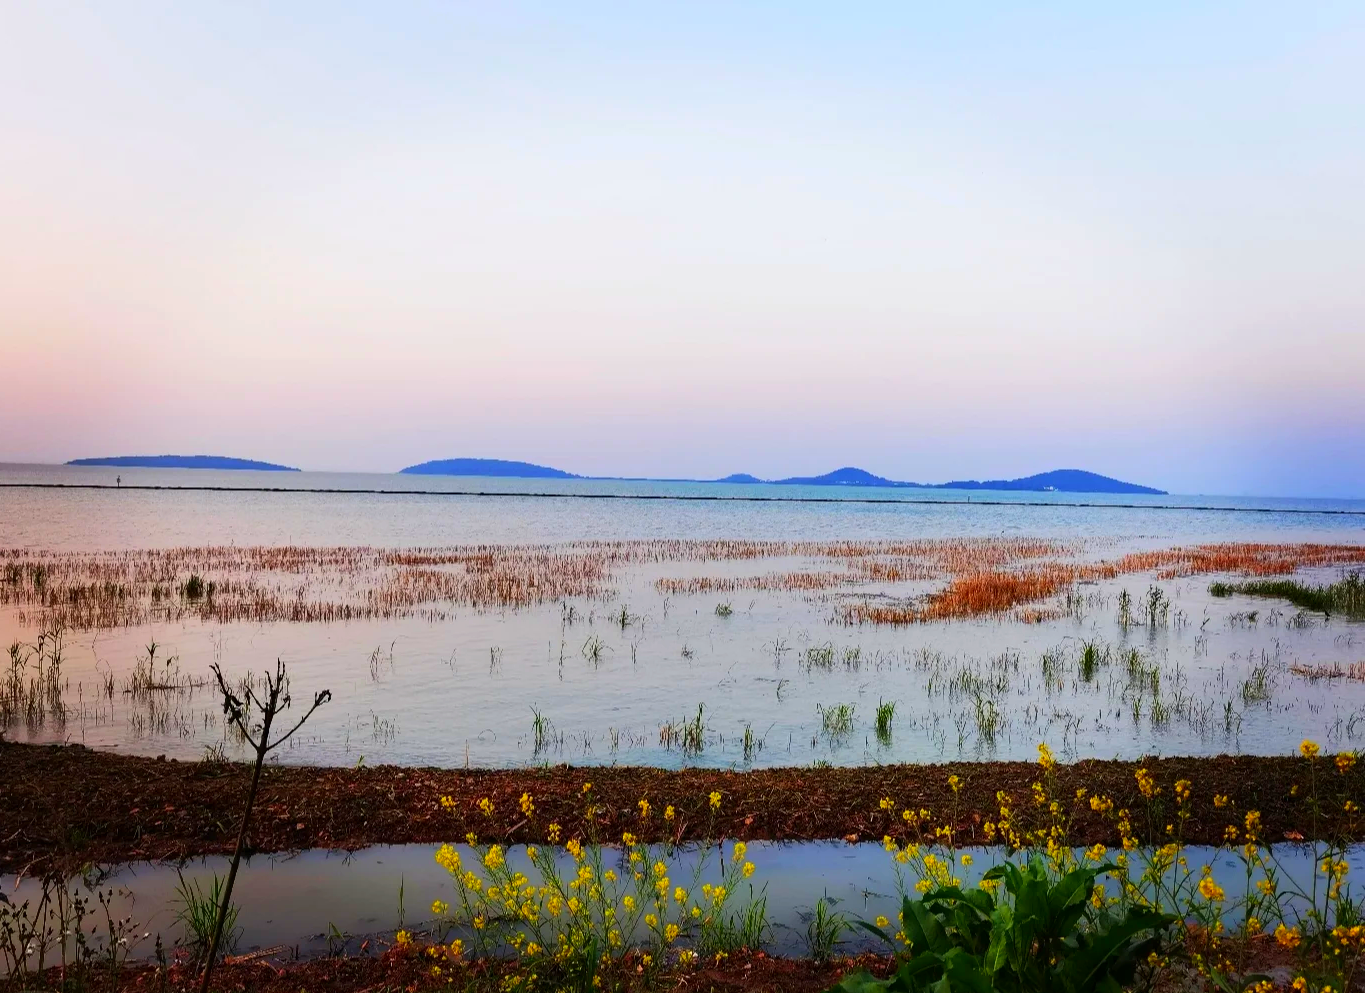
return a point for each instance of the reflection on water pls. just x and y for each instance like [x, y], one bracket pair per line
[316, 902]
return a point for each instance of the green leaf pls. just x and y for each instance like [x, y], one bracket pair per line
[964, 970]
[1085, 969]
[935, 938]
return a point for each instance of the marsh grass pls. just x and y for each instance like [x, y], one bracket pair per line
[1093, 655]
[196, 909]
[85, 590]
[886, 713]
[541, 730]
[594, 648]
[819, 657]
[825, 929]
[1346, 596]
[836, 721]
[1157, 607]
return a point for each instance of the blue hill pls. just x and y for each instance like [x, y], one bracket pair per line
[183, 462]
[847, 476]
[487, 467]
[1060, 480]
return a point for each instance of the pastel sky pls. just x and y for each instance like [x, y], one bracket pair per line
[935, 241]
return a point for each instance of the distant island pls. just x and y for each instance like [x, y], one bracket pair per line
[1058, 480]
[183, 462]
[1061, 480]
[487, 467]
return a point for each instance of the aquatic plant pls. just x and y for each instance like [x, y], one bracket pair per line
[196, 910]
[1346, 596]
[886, 713]
[836, 720]
[270, 583]
[1093, 655]
[825, 929]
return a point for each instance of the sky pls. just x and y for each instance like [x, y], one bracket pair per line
[684, 240]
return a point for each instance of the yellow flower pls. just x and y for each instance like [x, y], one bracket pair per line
[1345, 762]
[748, 869]
[644, 808]
[671, 932]
[439, 907]
[627, 838]
[486, 805]
[882, 922]
[1287, 937]
[739, 850]
[651, 920]
[628, 902]
[1209, 889]
[1045, 758]
[587, 787]
[954, 783]
[402, 939]
[1309, 749]
[966, 858]
[715, 800]
[527, 806]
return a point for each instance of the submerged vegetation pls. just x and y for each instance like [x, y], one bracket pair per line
[92, 590]
[1346, 596]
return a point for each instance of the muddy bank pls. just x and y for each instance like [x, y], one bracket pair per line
[62, 806]
[395, 971]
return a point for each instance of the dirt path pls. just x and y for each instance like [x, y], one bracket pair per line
[64, 806]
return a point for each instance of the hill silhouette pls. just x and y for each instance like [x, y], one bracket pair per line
[183, 462]
[487, 467]
[1061, 480]
[1058, 480]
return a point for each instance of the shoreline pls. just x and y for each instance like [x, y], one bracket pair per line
[64, 806]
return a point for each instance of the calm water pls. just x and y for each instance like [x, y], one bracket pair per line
[463, 690]
[298, 901]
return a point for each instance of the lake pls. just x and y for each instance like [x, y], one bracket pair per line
[706, 624]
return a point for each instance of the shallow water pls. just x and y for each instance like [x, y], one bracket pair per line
[298, 901]
[463, 690]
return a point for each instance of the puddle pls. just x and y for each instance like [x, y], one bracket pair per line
[299, 901]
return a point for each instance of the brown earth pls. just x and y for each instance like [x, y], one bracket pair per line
[64, 806]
